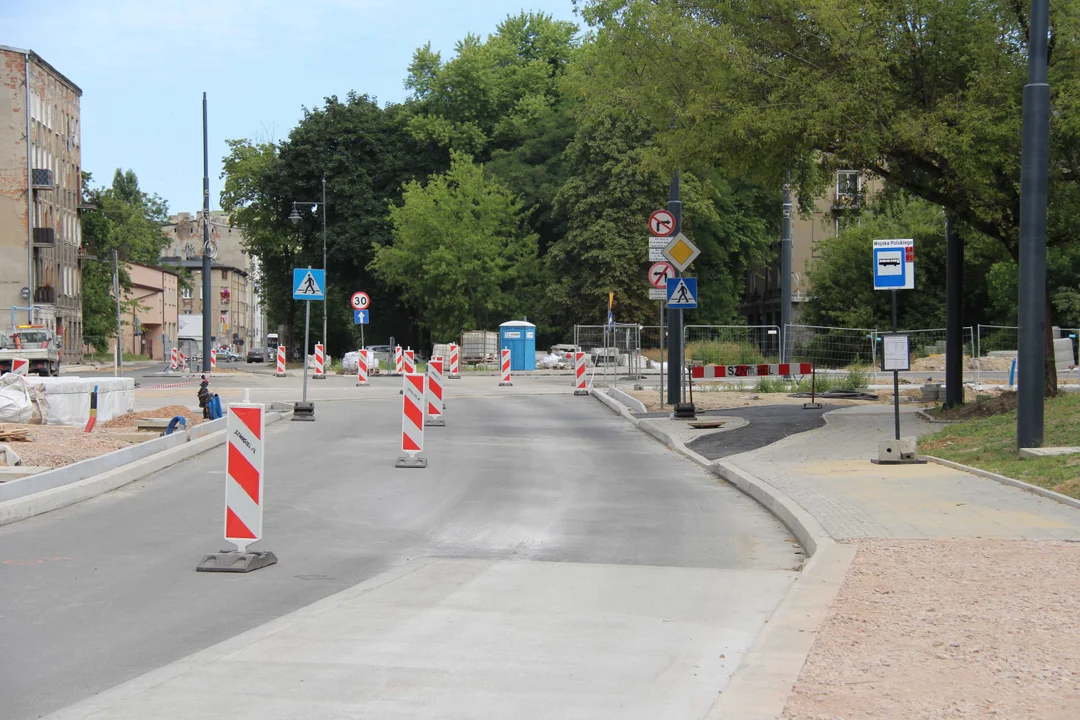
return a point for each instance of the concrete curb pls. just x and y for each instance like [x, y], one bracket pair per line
[760, 687]
[1006, 480]
[73, 492]
[630, 401]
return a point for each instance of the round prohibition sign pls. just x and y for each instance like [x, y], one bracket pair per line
[662, 223]
[360, 301]
[660, 273]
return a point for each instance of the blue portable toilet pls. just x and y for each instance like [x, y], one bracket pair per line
[520, 337]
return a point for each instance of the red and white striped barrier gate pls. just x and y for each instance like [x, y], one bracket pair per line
[579, 374]
[20, 366]
[213, 359]
[455, 359]
[280, 361]
[505, 368]
[174, 359]
[320, 362]
[412, 422]
[361, 368]
[435, 392]
[707, 372]
[409, 357]
[398, 360]
[245, 430]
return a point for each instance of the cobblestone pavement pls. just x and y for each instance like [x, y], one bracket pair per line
[828, 472]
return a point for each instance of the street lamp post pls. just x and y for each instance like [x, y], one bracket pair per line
[294, 217]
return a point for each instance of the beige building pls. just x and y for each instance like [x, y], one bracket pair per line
[236, 317]
[40, 189]
[761, 288]
[149, 311]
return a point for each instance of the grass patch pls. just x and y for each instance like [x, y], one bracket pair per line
[989, 442]
[723, 353]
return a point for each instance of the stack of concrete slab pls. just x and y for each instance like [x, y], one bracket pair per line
[69, 398]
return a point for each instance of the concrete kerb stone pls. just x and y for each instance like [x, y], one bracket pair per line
[760, 686]
[633, 403]
[1006, 480]
[72, 492]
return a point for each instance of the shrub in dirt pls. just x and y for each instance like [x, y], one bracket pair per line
[822, 384]
[771, 385]
[724, 353]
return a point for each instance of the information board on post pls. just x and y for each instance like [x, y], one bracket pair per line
[896, 353]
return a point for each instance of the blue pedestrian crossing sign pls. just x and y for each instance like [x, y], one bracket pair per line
[360, 317]
[308, 284]
[682, 293]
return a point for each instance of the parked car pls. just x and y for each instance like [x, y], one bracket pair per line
[256, 354]
[227, 356]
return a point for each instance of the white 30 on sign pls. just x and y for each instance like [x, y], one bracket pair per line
[360, 301]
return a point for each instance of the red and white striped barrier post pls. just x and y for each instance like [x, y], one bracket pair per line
[280, 361]
[183, 361]
[455, 359]
[320, 362]
[361, 368]
[245, 430]
[398, 360]
[20, 366]
[579, 374]
[435, 393]
[410, 361]
[174, 359]
[412, 422]
[505, 368]
[213, 359]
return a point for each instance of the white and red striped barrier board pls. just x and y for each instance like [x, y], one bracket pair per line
[723, 371]
[280, 361]
[412, 415]
[409, 357]
[244, 430]
[398, 360]
[579, 370]
[435, 390]
[455, 360]
[362, 367]
[320, 360]
[20, 366]
[213, 359]
[174, 359]
[183, 360]
[505, 368]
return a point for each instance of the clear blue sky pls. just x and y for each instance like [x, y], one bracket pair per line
[143, 65]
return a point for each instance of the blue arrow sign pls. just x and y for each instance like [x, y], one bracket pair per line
[682, 293]
[360, 317]
[308, 284]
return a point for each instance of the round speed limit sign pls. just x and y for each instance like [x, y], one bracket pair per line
[360, 301]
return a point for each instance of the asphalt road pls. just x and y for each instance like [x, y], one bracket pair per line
[101, 592]
[767, 425]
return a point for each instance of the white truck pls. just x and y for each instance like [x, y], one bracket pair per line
[34, 343]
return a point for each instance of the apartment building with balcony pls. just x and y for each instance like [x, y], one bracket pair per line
[40, 197]
[237, 320]
[842, 202]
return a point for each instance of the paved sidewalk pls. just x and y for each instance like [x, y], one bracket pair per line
[828, 472]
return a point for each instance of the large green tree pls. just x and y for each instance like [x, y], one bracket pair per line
[927, 96]
[462, 253]
[126, 219]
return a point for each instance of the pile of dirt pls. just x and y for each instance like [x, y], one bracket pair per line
[1003, 403]
[128, 420]
[936, 363]
[56, 445]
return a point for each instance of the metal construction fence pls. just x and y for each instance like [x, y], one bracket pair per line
[731, 344]
[611, 348]
[830, 347]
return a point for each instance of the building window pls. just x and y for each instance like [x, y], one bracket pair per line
[848, 187]
[224, 274]
[185, 293]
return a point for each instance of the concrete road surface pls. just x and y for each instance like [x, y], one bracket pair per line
[550, 561]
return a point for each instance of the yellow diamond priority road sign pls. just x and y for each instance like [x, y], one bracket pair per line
[681, 252]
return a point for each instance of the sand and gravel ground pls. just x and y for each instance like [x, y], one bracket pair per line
[949, 629]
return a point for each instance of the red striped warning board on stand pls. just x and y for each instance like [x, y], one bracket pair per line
[435, 392]
[412, 421]
[721, 371]
[244, 432]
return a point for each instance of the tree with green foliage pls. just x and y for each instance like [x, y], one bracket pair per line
[926, 96]
[462, 253]
[126, 219]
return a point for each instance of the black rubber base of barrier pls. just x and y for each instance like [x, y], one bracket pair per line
[504, 384]
[811, 406]
[235, 562]
[411, 462]
[434, 422]
[581, 392]
[304, 411]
